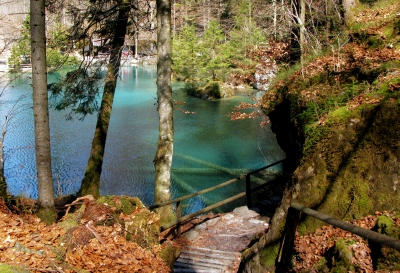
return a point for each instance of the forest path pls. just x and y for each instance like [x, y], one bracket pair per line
[216, 245]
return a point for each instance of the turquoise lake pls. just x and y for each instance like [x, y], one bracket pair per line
[209, 148]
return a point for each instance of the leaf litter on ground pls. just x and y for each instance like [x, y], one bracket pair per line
[30, 244]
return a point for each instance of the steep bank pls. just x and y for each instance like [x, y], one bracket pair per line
[338, 120]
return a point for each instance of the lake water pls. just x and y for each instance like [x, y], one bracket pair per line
[209, 148]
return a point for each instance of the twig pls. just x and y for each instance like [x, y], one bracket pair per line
[52, 263]
[41, 269]
[94, 233]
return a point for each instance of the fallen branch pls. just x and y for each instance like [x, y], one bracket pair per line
[41, 269]
[98, 237]
[57, 269]
[87, 199]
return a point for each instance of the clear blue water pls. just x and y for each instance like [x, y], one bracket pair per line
[209, 148]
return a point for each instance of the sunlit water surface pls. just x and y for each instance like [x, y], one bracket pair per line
[209, 148]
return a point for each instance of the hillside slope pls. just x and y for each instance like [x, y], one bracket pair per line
[338, 120]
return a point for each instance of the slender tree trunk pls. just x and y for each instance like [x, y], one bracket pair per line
[41, 111]
[163, 158]
[302, 27]
[275, 18]
[295, 46]
[347, 6]
[91, 180]
[3, 184]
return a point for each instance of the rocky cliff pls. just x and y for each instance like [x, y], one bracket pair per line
[338, 120]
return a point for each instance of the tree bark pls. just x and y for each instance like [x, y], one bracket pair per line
[302, 27]
[41, 112]
[295, 46]
[3, 184]
[347, 6]
[163, 157]
[91, 181]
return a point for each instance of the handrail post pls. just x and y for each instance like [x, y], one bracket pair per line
[284, 258]
[248, 191]
[178, 215]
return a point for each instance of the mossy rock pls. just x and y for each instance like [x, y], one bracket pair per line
[169, 254]
[143, 227]
[69, 221]
[108, 210]
[121, 204]
[322, 265]
[268, 255]
[338, 258]
[212, 90]
[227, 91]
[384, 257]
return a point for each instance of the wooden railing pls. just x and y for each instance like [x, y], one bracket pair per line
[284, 258]
[179, 218]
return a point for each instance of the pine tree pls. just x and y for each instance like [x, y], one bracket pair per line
[185, 54]
[41, 112]
[212, 59]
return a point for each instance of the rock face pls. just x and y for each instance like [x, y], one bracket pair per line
[265, 72]
[386, 258]
[352, 172]
[343, 155]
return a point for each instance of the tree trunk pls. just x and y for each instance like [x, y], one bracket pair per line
[3, 184]
[163, 158]
[302, 26]
[91, 180]
[295, 35]
[347, 6]
[41, 110]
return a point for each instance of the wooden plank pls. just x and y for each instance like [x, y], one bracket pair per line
[212, 250]
[186, 264]
[189, 270]
[210, 255]
[215, 262]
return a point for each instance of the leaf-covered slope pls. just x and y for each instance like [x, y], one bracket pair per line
[114, 234]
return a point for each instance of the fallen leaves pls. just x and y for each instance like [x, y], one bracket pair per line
[311, 248]
[26, 242]
[376, 16]
[115, 254]
[29, 244]
[361, 99]
[393, 87]
[239, 115]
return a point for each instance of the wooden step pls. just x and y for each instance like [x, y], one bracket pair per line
[195, 259]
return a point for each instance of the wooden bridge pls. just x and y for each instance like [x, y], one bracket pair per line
[216, 245]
